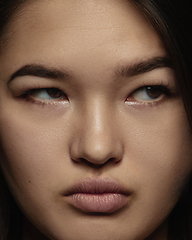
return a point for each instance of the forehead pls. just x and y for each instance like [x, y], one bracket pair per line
[108, 28]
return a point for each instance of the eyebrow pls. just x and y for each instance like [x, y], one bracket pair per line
[144, 66]
[127, 71]
[39, 71]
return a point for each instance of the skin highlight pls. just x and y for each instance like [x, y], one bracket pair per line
[96, 129]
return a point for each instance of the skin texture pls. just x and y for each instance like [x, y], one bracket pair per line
[101, 129]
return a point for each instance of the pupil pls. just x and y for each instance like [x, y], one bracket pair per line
[53, 92]
[153, 92]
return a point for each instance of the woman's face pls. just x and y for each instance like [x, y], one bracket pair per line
[95, 139]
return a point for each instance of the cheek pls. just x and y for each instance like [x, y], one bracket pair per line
[159, 153]
[35, 155]
[157, 149]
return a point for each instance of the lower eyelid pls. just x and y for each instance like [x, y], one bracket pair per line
[142, 105]
[42, 102]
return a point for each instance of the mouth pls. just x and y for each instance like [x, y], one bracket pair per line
[98, 195]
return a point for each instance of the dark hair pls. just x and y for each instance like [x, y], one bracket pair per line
[172, 19]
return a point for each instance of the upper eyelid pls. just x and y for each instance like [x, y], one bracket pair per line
[41, 89]
[161, 86]
[137, 83]
[130, 70]
[165, 90]
[47, 76]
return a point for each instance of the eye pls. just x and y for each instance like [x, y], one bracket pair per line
[148, 94]
[46, 94]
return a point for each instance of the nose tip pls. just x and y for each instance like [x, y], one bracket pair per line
[96, 149]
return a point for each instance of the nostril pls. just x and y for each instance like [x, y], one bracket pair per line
[96, 164]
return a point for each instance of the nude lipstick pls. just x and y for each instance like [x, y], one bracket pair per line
[98, 195]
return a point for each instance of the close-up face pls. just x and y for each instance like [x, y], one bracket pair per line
[95, 138]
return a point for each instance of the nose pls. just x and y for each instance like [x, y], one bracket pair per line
[97, 141]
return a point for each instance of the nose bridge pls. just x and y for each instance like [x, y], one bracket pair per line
[99, 128]
[98, 141]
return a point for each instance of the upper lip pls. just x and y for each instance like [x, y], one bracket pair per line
[98, 186]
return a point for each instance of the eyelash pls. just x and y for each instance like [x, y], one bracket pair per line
[27, 96]
[166, 91]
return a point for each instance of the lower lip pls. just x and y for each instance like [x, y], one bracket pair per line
[100, 203]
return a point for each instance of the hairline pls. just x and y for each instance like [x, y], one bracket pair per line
[7, 29]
